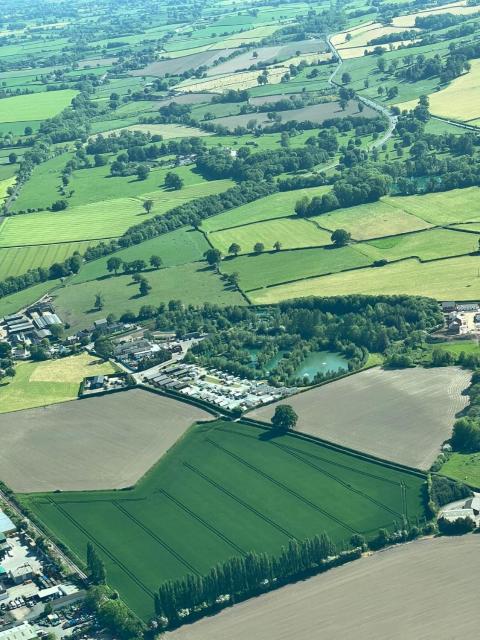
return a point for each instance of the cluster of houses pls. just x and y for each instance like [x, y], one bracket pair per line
[215, 387]
[30, 327]
[462, 318]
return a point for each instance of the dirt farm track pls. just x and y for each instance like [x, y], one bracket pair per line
[98, 443]
[400, 415]
[424, 590]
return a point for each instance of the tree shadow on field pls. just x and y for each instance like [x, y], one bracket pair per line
[268, 435]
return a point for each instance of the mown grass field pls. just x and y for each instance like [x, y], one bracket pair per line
[107, 218]
[39, 384]
[267, 269]
[36, 106]
[289, 232]
[18, 260]
[278, 205]
[372, 220]
[426, 245]
[192, 283]
[453, 278]
[464, 467]
[446, 207]
[223, 490]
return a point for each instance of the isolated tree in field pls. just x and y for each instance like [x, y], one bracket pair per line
[156, 262]
[277, 246]
[284, 418]
[173, 181]
[343, 104]
[142, 171]
[137, 277]
[284, 139]
[360, 106]
[148, 205]
[12, 158]
[212, 256]
[234, 249]
[259, 247]
[145, 287]
[99, 301]
[346, 78]
[113, 264]
[340, 237]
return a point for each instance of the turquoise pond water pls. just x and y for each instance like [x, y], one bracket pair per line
[317, 361]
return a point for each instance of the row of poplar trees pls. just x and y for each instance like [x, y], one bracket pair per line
[242, 576]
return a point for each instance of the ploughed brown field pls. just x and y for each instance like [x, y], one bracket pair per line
[107, 442]
[402, 415]
[423, 590]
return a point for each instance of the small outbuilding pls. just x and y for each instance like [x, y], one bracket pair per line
[6, 525]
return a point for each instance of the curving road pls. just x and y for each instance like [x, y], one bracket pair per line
[392, 120]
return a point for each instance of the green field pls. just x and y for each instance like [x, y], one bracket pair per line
[223, 490]
[178, 247]
[372, 220]
[96, 185]
[278, 205]
[39, 384]
[36, 106]
[19, 260]
[15, 301]
[427, 245]
[272, 268]
[446, 207]
[464, 467]
[453, 278]
[191, 283]
[108, 218]
[291, 233]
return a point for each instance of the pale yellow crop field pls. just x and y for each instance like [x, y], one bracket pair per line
[243, 80]
[457, 8]
[356, 52]
[455, 278]
[167, 131]
[460, 100]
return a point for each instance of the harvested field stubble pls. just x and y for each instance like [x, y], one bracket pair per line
[106, 442]
[402, 415]
[421, 590]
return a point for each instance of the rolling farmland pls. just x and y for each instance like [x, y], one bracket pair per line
[402, 416]
[61, 447]
[228, 475]
[419, 578]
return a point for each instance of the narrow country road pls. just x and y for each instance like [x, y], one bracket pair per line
[392, 120]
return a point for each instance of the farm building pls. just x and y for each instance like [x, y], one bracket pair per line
[23, 631]
[21, 574]
[474, 505]
[6, 525]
